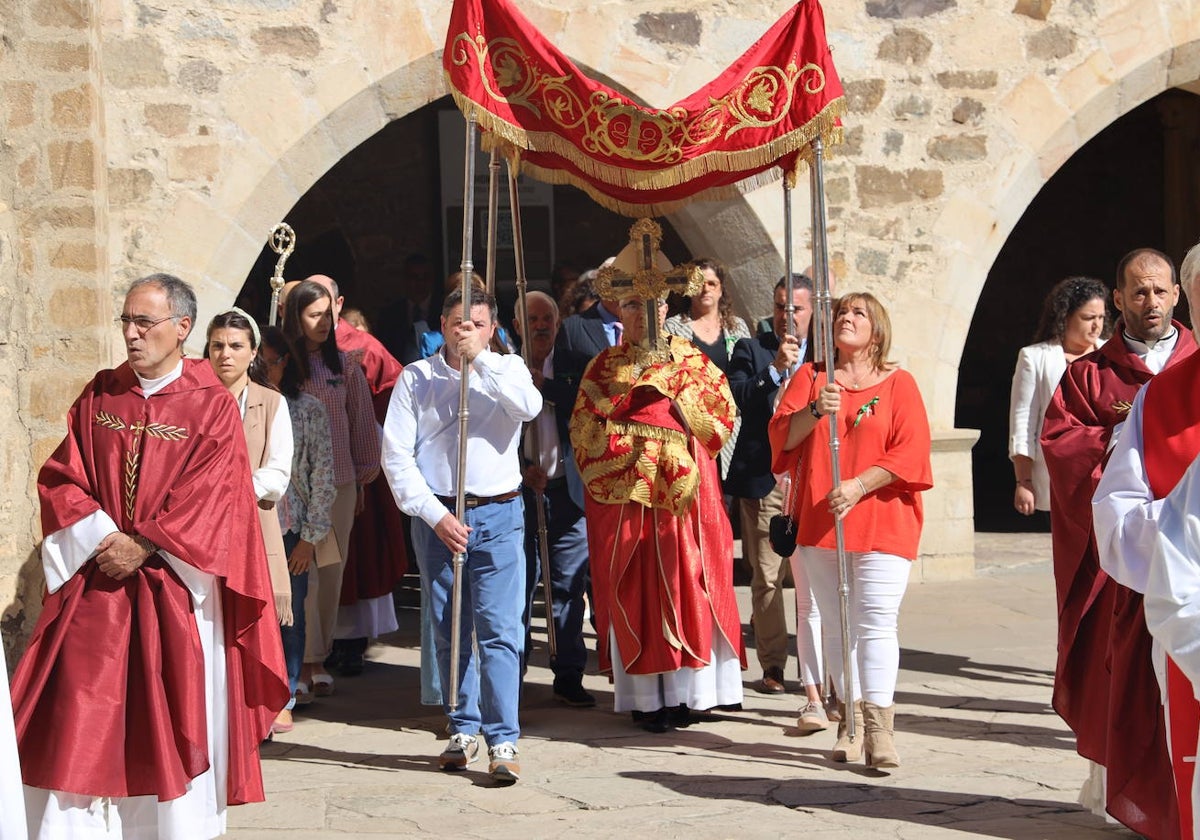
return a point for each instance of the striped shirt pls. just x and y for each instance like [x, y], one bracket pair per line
[352, 429]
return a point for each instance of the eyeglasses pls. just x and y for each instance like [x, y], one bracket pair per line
[141, 323]
[276, 362]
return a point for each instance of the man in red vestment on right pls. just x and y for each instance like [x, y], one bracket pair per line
[1104, 684]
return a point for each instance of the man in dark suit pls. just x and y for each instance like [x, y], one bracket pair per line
[545, 472]
[582, 336]
[757, 368]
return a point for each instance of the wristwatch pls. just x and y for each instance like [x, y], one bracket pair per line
[812, 409]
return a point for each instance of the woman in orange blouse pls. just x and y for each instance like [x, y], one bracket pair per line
[884, 456]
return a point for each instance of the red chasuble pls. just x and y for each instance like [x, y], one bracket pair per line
[1170, 442]
[1102, 635]
[109, 697]
[377, 559]
[660, 544]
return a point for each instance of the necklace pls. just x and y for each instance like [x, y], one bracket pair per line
[858, 382]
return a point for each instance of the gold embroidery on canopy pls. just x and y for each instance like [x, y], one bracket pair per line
[618, 131]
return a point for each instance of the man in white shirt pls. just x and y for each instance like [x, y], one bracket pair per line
[420, 458]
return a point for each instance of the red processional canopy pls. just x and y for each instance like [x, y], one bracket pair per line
[745, 128]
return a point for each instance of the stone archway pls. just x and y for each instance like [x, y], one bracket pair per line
[1048, 125]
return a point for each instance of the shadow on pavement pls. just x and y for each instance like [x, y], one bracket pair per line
[973, 814]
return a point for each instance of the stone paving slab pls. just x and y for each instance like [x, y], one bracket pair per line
[983, 754]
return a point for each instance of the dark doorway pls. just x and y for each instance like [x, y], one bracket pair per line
[383, 202]
[1124, 189]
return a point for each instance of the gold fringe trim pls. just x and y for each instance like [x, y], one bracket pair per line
[638, 429]
[822, 124]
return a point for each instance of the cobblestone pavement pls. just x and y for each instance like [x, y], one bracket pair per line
[983, 754]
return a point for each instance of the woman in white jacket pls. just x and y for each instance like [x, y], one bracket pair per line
[1074, 321]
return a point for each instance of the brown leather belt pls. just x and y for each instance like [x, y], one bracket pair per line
[478, 501]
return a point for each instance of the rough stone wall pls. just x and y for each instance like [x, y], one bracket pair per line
[55, 315]
[137, 137]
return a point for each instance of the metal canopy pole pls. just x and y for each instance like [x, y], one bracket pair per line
[531, 428]
[489, 273]
[825, 351]
[790, 306]
[460, 497]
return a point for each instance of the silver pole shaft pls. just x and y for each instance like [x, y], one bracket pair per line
[531, 428]
[489, 275]
[825, 330]
[460, 497]
[788, 262]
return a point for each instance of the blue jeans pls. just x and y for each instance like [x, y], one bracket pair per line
[493, 594]
[293, 637]
[566, 534]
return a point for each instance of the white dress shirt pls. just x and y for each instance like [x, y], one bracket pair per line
[550, 459]
[1155, 357]
[420, 434]
[271, 479]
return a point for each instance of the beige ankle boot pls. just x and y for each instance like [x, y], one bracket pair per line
[879, 746]
[845, 749]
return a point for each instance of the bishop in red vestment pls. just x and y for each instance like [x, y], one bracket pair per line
[646, 427]
[1104, 686]
[155, 669]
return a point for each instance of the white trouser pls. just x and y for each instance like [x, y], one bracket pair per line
[877, 583]
[808, 625]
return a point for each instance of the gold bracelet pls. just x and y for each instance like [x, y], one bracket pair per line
[861, 486]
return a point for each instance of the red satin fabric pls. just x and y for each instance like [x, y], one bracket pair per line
[377, 559]
[1184, 729]
[564, 127]
[661, 580]
[1170, 442]
[138, 736]
[1102, 636]
[194, 499]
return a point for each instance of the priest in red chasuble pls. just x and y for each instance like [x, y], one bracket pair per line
[1159, 441]
[1104, 685]
[155, 669]
[646, 428]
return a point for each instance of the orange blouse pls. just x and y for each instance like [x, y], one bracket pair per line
[883, 425]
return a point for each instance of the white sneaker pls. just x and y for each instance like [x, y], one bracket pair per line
[461, 751]
[504, 767]
[812, 718]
